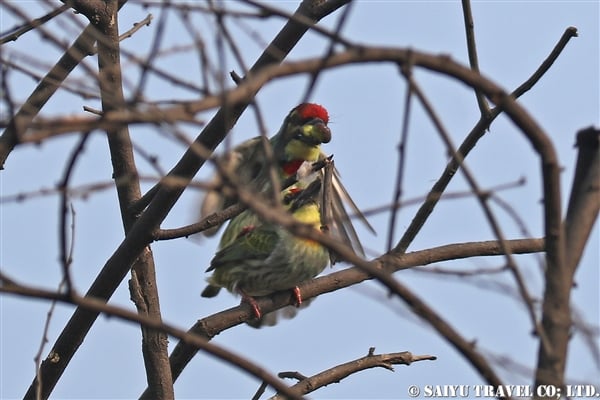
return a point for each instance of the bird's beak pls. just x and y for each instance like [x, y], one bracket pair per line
[315, 132]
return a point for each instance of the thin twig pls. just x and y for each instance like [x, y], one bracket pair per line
[342, 371]
[145, 64]
[219, 13]
[63, 187]
[63, 283]
[483, 198]
[567, 35]
[206, 69]
[471, 140]
[6, 92]
[484, 107]
[519, 221]
[461, 194]
[209, 221]
[136, 27]
[12, 135]
[402, 145]
[329, 51]
[32, 24]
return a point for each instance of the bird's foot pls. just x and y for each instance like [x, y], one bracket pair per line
[297, 296]
[252, 302]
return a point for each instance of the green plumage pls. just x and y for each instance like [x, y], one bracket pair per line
[264, 258]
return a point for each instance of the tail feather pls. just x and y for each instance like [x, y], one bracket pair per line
[210, 291]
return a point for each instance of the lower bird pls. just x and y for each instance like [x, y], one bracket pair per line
[263, 258]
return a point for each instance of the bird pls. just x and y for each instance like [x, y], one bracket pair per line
[263, 257]
[298, 139]
[296, 147]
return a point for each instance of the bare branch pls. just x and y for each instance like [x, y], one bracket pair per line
[185, 111]
[442, 196]
[401, 159]
[568, 34]
[329, 51]
[140, 234]
[154, 343]
[471, 140]
[584, 202]
[73, 56]
[213, 325]
[145, 64]
[315, 8]
[136, 27]
[484, 107]
[206, 223]
[12, 135]
[65, 281]
[582, 213]
[483, 201]
[63, 186]
[339, 372]
[30, 25]
[7, 285]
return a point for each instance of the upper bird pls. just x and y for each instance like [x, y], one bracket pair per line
[298, 140]
[296, 144]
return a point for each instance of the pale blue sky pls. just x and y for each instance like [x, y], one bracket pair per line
[365, 103]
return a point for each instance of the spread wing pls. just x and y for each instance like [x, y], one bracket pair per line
[244, 162]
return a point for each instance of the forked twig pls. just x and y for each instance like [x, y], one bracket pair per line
[336, 374]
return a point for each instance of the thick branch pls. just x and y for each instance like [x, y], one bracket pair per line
[116, 268]
[244, 92]
[99, 306]
[581, 215]
[143, 285]
[214, 324]
[154, 343]
[584, 202]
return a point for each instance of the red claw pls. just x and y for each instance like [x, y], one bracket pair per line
[250, 300]
[297, 295]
